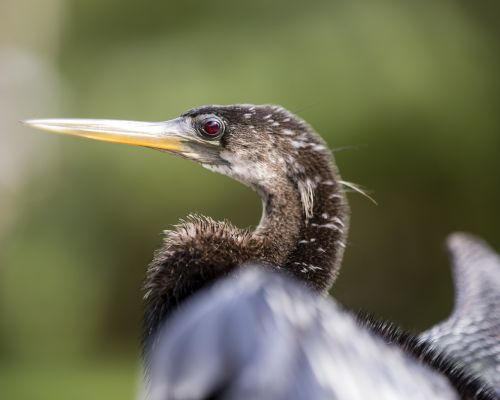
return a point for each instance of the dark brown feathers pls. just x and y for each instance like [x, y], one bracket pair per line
[305, 214]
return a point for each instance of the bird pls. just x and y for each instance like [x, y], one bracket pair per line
[301, 235]
[305, 214]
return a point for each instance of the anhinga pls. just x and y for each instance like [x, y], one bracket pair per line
[302, 235]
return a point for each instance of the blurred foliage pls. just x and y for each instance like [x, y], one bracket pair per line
[99, 381]
[413, 85]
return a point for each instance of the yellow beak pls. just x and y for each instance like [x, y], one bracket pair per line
[168, 135]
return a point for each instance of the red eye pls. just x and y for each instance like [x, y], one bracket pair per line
[212, 127]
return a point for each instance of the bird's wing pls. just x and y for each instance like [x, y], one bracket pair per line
[259, 335]
[472, 333]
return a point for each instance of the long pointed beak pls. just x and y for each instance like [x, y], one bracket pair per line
[168, 135]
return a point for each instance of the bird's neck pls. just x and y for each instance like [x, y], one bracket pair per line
[302, 232]
[304, 226]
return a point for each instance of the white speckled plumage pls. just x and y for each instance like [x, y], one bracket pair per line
[472, 333]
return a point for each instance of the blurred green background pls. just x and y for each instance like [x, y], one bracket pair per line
[414, 86]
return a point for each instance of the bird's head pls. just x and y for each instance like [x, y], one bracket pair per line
[257, 145]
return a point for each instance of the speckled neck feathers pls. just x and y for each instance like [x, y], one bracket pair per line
[304, 224]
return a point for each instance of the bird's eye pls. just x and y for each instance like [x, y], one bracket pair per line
[212, 128]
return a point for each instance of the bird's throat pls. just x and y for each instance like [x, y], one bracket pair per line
[307, 243]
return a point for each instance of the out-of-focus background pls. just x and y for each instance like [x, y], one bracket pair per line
[413, 85]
